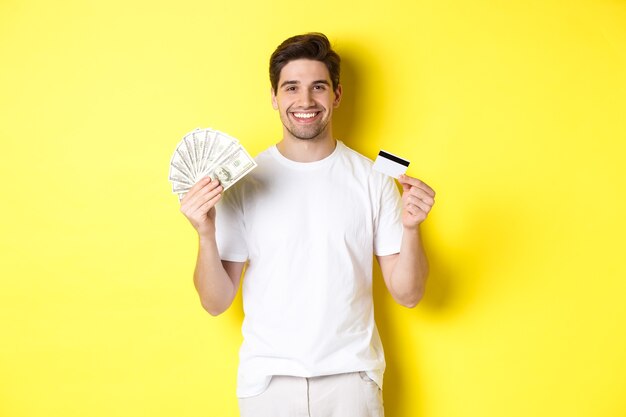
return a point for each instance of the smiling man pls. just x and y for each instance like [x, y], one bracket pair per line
[305, 99]
[307, 222]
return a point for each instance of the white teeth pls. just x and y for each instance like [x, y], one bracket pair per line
[304, 115]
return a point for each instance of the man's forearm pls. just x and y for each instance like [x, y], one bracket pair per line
[408, 278]
[214, 286]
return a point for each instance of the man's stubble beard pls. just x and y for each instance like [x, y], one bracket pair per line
[305, 132]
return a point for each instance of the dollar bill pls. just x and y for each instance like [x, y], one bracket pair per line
[176, 175]
[180, 187]
[231, 169]
[208, 152]
[221, 143]
[191, 151]
[221, 150]
[181, 164]
[199, 142]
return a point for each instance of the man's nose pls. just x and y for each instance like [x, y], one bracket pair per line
[306, 98]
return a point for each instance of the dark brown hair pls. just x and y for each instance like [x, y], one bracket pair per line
[313, 46]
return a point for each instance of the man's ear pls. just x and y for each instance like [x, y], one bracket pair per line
[274, 102]
[338, 94]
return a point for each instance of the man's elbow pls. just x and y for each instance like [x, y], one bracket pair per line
[213, 309]
[411, 300]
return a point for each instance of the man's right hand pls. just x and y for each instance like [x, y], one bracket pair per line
[198, 205]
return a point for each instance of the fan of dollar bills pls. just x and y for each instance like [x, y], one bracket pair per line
[208, 152]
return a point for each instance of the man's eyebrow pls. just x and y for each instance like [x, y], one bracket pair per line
[295, 82]
[288, 82]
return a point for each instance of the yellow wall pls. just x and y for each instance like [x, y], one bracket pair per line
[512, 110]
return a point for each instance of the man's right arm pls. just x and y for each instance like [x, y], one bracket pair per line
[215, 280]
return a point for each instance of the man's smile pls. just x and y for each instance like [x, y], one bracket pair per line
[305, 116]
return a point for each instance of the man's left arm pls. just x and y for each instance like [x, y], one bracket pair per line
[405, 272]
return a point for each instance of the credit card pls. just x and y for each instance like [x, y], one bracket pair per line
[390, 164]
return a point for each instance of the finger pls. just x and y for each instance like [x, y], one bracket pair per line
[414, 211]
[423, 207]
[419, 204]
[422, 195]
[207, 206]
[409, 198]
[189, 202]
[216, 191]
[405, 179]
[200, 193]
[191, 210]
[194, 189]
[203, 199]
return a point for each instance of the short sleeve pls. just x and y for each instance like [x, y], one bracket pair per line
[229, 228]
[388, 222]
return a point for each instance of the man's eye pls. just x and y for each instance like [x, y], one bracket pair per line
[319, 87]
[290, 89]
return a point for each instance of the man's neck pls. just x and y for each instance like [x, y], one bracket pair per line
[306, 150]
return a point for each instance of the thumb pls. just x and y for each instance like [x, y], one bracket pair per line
[405, 186]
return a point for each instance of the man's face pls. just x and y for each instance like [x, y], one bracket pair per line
[305, 99]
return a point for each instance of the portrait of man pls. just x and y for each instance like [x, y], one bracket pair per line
[307, 222]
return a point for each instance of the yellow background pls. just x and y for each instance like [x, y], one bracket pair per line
[512, 110]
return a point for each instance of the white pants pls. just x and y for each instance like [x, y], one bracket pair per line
[342, 395]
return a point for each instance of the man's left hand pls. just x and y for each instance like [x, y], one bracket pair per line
[417, 201]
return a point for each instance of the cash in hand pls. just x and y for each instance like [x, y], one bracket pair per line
[208, 152]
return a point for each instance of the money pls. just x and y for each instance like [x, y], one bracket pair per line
[232, 168]
[208, 152]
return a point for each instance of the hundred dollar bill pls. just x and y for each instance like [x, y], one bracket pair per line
[210, 152]
[222, 144]
[180, 187]
[200, 143]
[178, 176]
[191, 150]
[221, 150]
[184, 157]
[181, 164]
[231, 169]
[208, 149]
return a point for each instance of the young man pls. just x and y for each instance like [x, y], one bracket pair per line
[308, 221]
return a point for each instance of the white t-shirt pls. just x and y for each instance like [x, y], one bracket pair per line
[308, 232]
